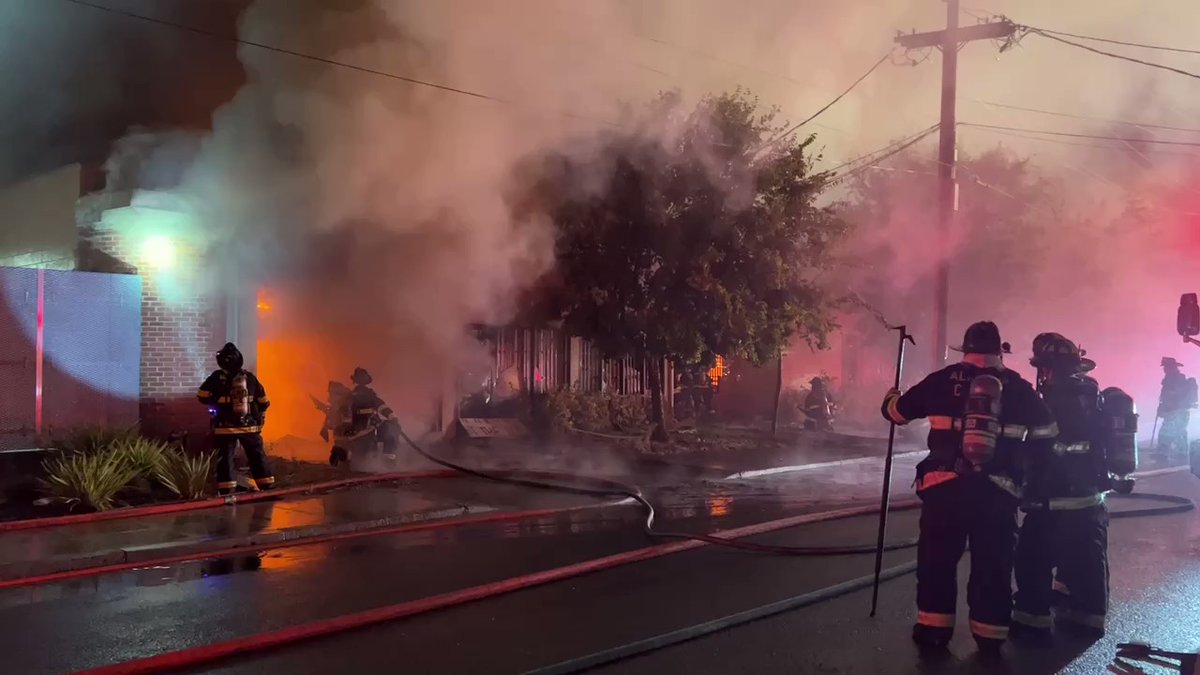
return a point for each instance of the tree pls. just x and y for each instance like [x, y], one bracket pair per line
[687, 234]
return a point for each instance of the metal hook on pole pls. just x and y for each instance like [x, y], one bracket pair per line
[885, 500]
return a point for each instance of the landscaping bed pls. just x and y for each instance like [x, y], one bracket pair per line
[102, 469]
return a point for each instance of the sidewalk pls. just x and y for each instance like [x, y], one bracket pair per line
[580, 454]
[210, 531]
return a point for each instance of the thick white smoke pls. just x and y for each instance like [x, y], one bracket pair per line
[375, 207]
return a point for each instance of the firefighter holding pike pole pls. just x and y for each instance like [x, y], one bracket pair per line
[985, 422]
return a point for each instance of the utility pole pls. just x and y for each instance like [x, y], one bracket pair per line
[949, 41]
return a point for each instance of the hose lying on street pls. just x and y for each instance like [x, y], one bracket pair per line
[603, 487]
[596, 659]
[1174, 505]
[194, 656]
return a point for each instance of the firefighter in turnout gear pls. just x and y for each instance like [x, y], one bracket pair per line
[818, 407]
[1175, 402]
[985, 422]
[370, 418]
[337, 420]
[238, 405]
[1066, 522]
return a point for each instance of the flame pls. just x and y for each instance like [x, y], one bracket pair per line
[718, 370]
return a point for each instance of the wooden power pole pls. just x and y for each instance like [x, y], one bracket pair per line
[949, 41]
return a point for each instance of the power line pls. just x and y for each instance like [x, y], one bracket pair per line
[1078, 144]
[1111, 41]
[1075, 135]
[829, 105]
[1131, 59]
[1093, 38]
[881, 154]
[457, 90]
[1145, 125]
[318, 59]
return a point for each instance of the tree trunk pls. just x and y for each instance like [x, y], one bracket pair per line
[778, 395]
[657, 418]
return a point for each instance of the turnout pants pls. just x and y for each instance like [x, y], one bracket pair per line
[1172, 438]
[1076, 543]
[252, 444]
[953, 513]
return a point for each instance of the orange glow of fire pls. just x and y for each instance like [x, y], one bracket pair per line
[719, 506]
[280, 368]
[717, 371]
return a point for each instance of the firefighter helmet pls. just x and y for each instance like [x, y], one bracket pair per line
[361, 377]
[229, 358]
[1052, 351]
[983, 337]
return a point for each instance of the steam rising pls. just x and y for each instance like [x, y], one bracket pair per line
[373, 209]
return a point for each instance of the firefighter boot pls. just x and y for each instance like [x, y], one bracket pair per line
[1034, 635]
[931, 637]
[338, 455]
[988, 647]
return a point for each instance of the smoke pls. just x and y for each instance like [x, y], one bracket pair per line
[372, 209]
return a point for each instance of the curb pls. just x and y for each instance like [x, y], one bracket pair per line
[28, 573]
[1161, 472]
[214, 545]
[758, 473]
[212, 502]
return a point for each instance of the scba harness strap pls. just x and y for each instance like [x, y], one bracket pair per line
[1017, 432]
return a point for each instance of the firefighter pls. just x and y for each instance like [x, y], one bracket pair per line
[238, 405]
[1066, 522]
[370, 417]
[1177, 397]
[337, 419]
[985, 420]
[818, 407]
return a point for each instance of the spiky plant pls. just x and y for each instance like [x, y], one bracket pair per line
[142, 455]
[186, 476]
[88, 480]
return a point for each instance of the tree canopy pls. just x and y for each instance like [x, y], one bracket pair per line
[688, 233]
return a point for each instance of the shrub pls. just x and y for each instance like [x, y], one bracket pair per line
[93, 440]
[629, 413]
[559, 407]
[186, 476]
[589, 411]
[91, 480]
[141, 455]
[593, 411]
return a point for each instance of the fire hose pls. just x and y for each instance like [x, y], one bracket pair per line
[191, 657]
[603, 487]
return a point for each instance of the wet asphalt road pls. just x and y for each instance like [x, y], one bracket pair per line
[110, 618]
[64, 627]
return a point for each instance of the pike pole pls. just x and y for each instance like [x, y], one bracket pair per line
[885, 500]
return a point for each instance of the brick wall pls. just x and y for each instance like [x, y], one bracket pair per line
[179, 329]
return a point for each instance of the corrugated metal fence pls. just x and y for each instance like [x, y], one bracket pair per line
[70, 352]
[542, 359]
